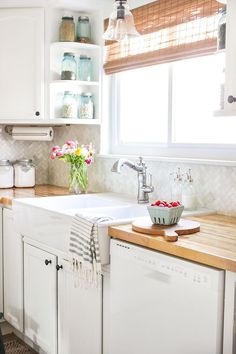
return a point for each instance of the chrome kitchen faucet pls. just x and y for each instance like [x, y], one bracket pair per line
[141, 168]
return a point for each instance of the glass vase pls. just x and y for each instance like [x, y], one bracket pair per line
[78, 179]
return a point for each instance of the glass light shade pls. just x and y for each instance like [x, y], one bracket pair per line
[120, 29]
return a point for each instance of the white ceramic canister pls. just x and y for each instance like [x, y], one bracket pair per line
[24, 173]
[6, 174]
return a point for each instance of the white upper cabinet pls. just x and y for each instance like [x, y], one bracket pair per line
[21, 63]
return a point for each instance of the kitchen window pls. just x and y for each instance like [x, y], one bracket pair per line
[163, 109]
[166, 84]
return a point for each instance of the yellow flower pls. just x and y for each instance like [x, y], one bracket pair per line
[78, 152]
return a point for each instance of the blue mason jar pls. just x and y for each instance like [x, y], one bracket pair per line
[68, 67]
[86, 106]
[84, 68]
[83, 30]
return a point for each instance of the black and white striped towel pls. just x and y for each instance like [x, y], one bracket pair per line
[84, 249]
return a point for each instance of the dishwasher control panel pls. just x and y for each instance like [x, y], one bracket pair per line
[169, 265]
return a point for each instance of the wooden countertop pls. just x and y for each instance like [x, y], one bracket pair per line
[44, 190]
[213, 245]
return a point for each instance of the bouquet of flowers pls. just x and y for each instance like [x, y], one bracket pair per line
[78, 157]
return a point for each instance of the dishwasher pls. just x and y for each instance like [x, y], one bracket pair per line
[161, 304]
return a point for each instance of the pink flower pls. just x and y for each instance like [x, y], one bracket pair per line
[59, 153]
[70, 143]
[53, 155]
[88, 161]
[55, 148]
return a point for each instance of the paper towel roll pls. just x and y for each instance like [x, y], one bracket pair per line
[32, 133]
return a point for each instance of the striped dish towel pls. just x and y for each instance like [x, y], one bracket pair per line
[84, 249]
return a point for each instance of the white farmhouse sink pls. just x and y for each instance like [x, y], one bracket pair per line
[48, 220]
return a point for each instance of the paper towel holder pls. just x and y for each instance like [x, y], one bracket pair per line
[24, 133]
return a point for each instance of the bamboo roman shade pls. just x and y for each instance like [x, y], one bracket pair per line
[170, 30]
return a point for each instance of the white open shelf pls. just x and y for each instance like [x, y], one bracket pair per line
[58, 86]
[64, 83]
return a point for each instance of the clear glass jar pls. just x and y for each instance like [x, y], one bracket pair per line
[6, 174]
[67, 29]
[24, 173]
[69, 105]
[221, 35]
[68, 67]
[83, 30]
[86, 106]
[84, 68]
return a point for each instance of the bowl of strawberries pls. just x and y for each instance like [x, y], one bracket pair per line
[165, 213]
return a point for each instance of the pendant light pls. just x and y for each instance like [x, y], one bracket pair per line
[121, 23]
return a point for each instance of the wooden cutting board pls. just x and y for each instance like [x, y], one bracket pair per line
[170, 233]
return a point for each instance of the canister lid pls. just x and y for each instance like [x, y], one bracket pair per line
[69, 54]
[86, 94]
[5, 163]
[24, 162]
[83, 18]
[67, 18]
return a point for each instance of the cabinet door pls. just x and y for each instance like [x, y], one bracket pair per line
[1, 265]
[230, 67]
[230, 314]
[21, 63]
[40, 298]
[13, 272]
[79, 314]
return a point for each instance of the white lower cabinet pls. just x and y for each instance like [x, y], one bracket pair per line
[230, 314]
[79, 314]
[40, 298]
[13, 272]
[59, 317]
[1, 265]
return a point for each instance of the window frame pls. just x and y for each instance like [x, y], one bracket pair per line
[226, 152]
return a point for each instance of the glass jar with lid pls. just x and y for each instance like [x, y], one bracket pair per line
[69, 105]
[221, 35]
[68, 67]
[67, 29]
[84, 68]
[86, 106]
[83, 30]
[24, 173]
[6, 174]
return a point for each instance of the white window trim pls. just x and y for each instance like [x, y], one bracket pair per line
[211, 152]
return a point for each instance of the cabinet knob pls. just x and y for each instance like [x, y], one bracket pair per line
[58, 267]
[47, 262]
[37, 113]
[231, 99]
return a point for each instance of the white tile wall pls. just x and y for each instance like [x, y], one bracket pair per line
[215, 185]
[37, 151]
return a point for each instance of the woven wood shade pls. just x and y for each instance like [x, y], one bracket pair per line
[170, 30]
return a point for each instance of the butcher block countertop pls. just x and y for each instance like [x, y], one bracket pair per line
[44, 190]
[213, 245]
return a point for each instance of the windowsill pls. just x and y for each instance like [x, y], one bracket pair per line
[173, 160]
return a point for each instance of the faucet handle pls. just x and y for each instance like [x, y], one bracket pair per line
[141, 160]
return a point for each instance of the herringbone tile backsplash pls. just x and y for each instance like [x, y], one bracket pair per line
[215, 185]
[37, 151]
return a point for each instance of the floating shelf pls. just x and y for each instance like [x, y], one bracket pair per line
[74, 83]
[74, 45]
